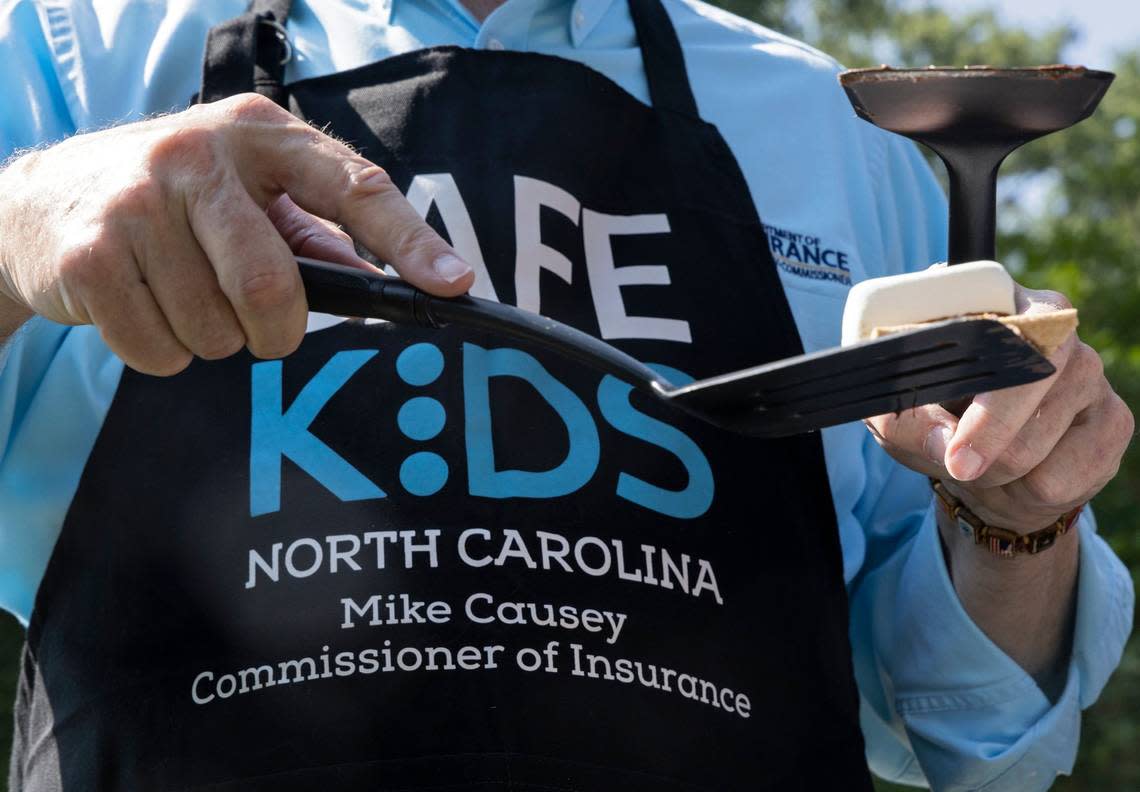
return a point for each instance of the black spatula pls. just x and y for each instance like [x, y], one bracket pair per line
[937, 363]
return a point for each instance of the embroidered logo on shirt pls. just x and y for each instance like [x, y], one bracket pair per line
[807, 256]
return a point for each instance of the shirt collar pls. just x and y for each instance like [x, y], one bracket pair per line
[382, 9]
[585, 16]
[582, 15]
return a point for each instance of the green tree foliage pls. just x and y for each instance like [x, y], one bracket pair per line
[1086, 245]
[1083, 242]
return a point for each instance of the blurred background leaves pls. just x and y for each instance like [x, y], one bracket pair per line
[1070, 221]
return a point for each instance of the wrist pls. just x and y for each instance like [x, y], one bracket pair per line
[1006, 538]
[1025, 604]
[12, 316]
[962, 549]
[13, 311]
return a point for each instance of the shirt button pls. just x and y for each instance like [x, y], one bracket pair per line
[579, 18]
[495, 44]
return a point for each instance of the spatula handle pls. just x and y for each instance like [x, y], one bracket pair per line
[346, 291]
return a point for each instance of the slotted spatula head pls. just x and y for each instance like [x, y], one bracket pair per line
[938, 363]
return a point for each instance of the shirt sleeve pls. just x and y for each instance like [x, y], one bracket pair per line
[941, 704]
[56, 386]
[34, 110]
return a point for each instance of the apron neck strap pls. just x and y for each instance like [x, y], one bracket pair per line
[248, 53]
[661, 54]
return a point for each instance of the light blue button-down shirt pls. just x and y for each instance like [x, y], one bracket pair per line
[841, 200]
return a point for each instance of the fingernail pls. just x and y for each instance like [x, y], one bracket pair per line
[936, 442]
[372, 179]
[965, 463]
[451, 268]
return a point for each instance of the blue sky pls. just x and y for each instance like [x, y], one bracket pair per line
[1105, 25]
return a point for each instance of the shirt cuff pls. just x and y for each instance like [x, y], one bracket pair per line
[973, 717]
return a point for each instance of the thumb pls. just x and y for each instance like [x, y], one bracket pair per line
[917, 438]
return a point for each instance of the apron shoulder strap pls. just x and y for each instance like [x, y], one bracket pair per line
[664, 61]
[248, 53]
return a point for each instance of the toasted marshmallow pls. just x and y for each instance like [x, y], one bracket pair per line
[941, 292]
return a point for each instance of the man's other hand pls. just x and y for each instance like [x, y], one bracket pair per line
[176, 236]
[1020, 458]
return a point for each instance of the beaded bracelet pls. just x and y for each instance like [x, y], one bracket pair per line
[1001, 541]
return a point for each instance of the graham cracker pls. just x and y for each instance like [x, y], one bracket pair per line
[1046, 331]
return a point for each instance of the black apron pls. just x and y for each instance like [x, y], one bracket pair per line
[408, 559]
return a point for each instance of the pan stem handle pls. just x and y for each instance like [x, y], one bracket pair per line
[972, 170]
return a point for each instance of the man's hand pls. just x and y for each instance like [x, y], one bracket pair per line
[1019, 459]
[176, 236]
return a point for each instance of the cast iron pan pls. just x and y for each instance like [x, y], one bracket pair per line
[972, 118]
